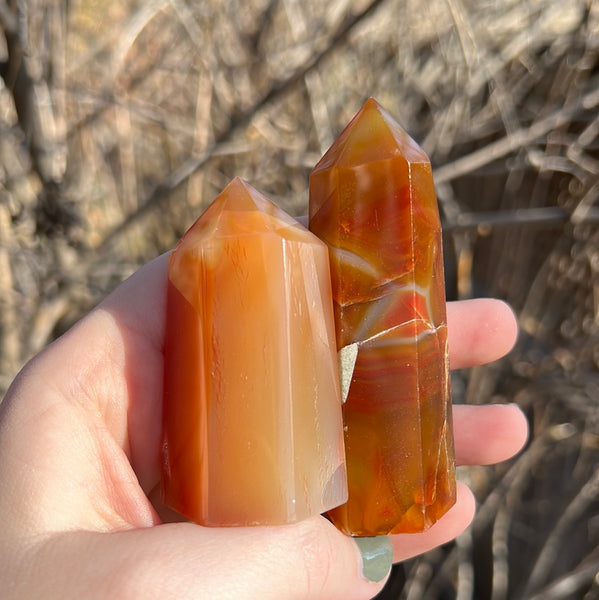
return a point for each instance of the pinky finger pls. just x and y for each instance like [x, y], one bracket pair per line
[454, 522]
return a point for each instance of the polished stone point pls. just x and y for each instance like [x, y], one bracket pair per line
[372, 200]
[252, 427]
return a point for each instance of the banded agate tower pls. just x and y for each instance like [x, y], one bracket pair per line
[372, 201]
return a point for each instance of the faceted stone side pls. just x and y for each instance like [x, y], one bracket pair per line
[372, 200]
[252, 413]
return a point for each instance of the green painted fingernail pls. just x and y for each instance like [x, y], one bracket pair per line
[377, 556]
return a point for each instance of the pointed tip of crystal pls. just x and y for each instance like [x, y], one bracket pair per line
[372, 135]
[238, 200]
[241, 210]
[238, 196]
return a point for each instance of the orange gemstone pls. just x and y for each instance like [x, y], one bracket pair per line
[252, 412]
[372, 200]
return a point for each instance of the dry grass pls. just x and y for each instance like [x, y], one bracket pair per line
[143, 110]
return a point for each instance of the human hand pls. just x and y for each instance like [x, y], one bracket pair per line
[80, 460]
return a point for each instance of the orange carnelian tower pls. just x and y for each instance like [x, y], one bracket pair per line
[252, 430]
[372, 200]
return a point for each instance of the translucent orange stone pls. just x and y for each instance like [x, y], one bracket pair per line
[252, 429]
[372, 200]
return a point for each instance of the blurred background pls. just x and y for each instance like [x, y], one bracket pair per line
[121, 120]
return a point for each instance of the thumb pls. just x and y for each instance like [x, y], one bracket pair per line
[308, 560]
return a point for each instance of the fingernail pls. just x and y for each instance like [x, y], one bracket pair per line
[377, 556]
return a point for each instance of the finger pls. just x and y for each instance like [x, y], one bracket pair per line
[479, 331]
[309, 560]
[448, 527]
[485, 435]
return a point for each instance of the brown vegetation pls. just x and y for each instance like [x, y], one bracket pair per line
[121, 120]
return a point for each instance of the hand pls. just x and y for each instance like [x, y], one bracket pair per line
[79, 460]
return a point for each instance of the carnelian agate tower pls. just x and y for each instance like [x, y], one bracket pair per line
[252, 430]
[372, 200]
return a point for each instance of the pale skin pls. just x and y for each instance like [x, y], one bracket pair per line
[79, 462]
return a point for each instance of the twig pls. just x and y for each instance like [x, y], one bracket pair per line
[519, 139]
[588, 494]
[566, 587]
[500, 550]
[8, 19]
[521, 217]
[9, 326]
[465, 571]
